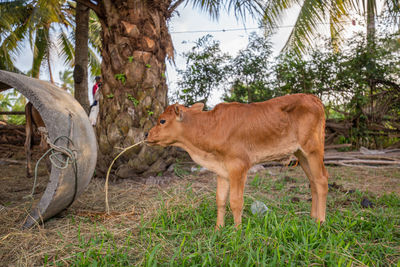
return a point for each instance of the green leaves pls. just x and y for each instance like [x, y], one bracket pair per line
[121, 77]
[251, 72]
[244, 78]
[35, 21]
[206, 68]
[133, 100]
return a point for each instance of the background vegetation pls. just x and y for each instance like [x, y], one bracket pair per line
[358, 85]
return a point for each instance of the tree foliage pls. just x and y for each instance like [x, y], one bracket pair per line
[206, 69]
[45, 25]
[251, 72]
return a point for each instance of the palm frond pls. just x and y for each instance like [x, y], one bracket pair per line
[311, 15]
[314, 14]
[393, 8]
[212, 7]
[67, 51]
[94, 31]
[40, 50]
[338, 15]
[240, 8]
[274, 12]
[94, 63]
[245, 8]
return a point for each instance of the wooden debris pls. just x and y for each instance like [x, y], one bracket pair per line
[11, 161]
[364, 158]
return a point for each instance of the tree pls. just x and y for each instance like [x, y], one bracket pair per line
[251, 72]
[343, 78]
[12, 29]
[81, 55]
[136, 43]
[38, 22]
[30, 21]
[206, 70]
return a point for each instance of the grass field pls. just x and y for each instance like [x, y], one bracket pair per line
[173, 225]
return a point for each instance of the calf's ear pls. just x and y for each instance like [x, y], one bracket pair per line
[178, 112]
[176, 109]
[197, 107]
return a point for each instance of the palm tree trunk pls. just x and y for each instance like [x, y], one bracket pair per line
[333, 30]
[49, 67]
[81, 56]
[136, 43]
[371, 20]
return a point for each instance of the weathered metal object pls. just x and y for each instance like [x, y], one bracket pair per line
[63, 116]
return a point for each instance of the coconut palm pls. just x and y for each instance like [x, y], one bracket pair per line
[135, 45]
[314, 14]
[38, 22]
[46, 25]
[13, 28]
[33, 21]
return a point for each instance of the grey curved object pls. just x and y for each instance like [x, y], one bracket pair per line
[63, 116]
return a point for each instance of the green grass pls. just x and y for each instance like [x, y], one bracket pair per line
[181, 233]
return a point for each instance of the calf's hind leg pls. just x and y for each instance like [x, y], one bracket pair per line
[314, 168]
[222, 196]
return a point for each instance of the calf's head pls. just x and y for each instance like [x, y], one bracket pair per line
[170, 126]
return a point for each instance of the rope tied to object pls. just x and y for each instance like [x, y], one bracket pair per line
[56, 159]
[109, 170]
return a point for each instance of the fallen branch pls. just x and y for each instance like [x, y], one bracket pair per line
[11, 161]
[12, 112]
[362, 162]
[338, 146]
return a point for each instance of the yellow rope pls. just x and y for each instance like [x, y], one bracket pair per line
[109, 169]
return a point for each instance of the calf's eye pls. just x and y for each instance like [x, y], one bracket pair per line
[162, 121]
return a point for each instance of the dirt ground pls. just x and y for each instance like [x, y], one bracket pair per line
[130, 201]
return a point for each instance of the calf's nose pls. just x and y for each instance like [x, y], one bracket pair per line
[146, 134]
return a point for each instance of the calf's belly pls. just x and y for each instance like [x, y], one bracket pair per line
[280, 152]
[210, 162]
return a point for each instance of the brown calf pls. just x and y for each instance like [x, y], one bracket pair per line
[33, 120]
[232, 137]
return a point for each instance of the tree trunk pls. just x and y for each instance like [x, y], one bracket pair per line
[136, 43]
[81, 56]
[371, 7]
[334, 33]
[371, 21]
